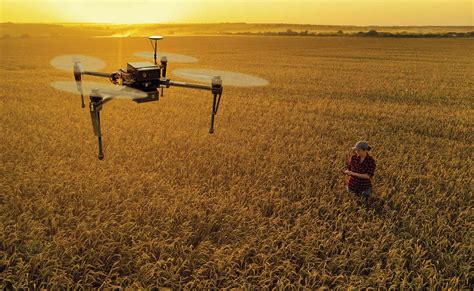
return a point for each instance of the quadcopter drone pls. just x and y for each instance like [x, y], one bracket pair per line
[142, 82]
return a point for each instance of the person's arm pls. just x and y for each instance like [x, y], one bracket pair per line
[348, 163]
[363, 176]
[370, 172]
[348, 168]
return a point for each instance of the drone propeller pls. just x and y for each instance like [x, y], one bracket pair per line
[228, 78]
[78, 70]
[177, 58]
[106, 91]
[66, 62]
[79, 64]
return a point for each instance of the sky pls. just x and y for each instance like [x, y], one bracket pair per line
[323, 12]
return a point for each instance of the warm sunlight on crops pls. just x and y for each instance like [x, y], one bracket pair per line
[261, 203]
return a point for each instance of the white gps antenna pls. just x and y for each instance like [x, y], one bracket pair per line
[154, 43]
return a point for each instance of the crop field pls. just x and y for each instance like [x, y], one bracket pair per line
[262, 201]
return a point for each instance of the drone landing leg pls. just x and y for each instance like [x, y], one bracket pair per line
[215, 107]
[101, 153]
[213, 113]
[95, 107]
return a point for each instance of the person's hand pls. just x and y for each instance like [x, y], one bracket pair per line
[347, 172]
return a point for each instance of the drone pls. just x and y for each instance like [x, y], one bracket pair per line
[141, 82]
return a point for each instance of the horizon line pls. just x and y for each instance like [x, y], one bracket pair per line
[207, 23]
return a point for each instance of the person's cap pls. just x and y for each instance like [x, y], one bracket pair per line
[362, 145]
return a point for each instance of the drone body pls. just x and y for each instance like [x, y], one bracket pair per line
[140, 81]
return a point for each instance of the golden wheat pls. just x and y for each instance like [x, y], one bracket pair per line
[261, 203]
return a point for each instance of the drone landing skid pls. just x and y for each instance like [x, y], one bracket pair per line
[95, 106]
[215, 106]
[97, 102]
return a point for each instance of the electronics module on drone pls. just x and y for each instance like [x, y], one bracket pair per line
[140, 82]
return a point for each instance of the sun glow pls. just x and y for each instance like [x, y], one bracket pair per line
[365, 12]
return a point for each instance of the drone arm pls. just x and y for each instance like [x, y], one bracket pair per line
[190, 85]
[97, 74]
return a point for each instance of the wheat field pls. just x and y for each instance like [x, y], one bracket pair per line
[260, 203]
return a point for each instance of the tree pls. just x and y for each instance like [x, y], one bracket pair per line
[372, 33]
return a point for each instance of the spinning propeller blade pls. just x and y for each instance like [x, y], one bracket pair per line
[228, 78]
[177, 58]
[66, 62]
[107, 91]
[79, 64]
[78, 69]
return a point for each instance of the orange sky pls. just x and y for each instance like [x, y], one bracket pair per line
[349, 12]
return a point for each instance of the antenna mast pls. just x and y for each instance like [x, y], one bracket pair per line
[154, 43]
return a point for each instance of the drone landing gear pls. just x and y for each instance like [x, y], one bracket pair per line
[95, 106]
[215, 106]
[216, 89]
[217, 93]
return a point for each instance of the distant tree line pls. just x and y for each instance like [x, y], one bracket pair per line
[370, 33]
[290, 32]
[24, 35]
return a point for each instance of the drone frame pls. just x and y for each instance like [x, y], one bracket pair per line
[98, 99]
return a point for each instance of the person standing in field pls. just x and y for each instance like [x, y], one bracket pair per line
[360, 170]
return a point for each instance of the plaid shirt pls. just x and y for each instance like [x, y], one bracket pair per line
[367, 166]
